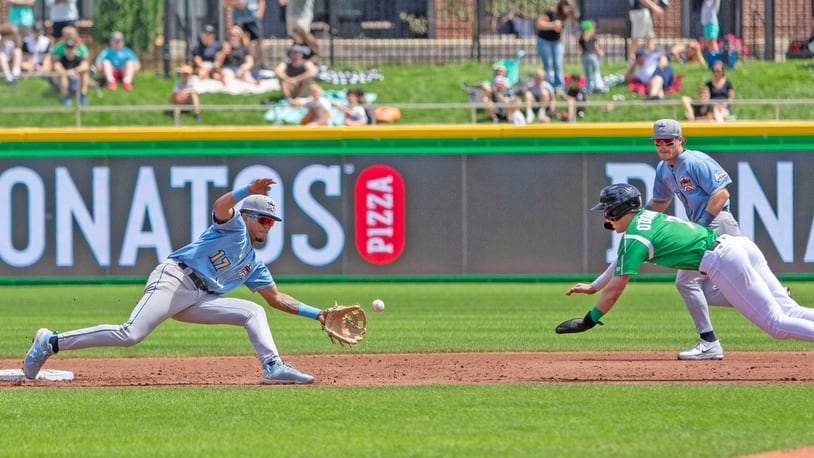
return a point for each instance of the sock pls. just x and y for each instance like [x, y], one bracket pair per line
[708, 336]
[54, 341]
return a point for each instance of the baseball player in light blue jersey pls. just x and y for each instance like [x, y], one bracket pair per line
[700, 184]
[189, 285]
[733, 263]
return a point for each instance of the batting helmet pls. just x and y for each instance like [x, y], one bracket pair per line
[260, 204]
[618, 199]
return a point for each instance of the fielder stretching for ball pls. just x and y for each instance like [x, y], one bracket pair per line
[700, 183]
[189, 285]
[733, 263]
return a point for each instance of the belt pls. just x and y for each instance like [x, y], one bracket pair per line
[712, 247]
[199, 283]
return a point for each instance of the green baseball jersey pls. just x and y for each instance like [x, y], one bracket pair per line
[664, 240]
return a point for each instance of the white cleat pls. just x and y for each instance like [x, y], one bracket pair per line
[703, 350]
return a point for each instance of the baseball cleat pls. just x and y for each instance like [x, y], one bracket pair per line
[38, 353]
[703, 350]
[279, 372]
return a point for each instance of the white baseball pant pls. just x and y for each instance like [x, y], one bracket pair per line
[739, 269]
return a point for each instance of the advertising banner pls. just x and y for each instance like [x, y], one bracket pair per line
[363, 211]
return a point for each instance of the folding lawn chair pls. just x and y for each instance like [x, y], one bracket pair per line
[512, 76]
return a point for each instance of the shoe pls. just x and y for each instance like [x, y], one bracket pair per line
[197, 116]
[283, 373]
[127, 86]
[66, 101]
[83, 99]
[703, 350]
[111, 85]
[38, 353]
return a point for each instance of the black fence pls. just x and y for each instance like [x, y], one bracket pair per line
[375, 32]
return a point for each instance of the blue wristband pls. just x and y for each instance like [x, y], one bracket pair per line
[308, 311]
[705, 219]
[240, 194]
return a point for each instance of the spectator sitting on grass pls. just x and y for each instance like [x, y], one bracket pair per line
[204, 53]
[184, 94]
[355, 113]
[69, 33]
[574, 94]
[540, 90]
[36, 47]
[73, 72]
[234, 61]
[701, 109]
[319, 108]
[652, 70]
[295, 74]
[10, 55]
[118, 63]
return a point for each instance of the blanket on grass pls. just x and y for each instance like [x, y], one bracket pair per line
[283, 113]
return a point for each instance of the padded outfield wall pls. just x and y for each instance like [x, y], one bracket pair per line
[402, 201]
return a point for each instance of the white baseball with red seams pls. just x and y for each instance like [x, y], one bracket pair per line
[377, 305]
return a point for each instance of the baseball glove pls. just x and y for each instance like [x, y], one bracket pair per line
[345, 324]
[577, 325]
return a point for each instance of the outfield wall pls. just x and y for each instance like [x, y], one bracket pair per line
[398, 201]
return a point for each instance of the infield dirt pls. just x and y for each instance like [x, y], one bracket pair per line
[360, 369]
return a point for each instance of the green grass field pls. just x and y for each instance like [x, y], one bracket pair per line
[672, 420]
[417, 83]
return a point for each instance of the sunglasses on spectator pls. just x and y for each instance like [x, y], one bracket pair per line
[264, 220]
[664, 141]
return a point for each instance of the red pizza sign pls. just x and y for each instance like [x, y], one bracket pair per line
[380, 214]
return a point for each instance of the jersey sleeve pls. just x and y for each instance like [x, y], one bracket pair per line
[710, 176]
[259, 278]
[631, 255]
[661, 192]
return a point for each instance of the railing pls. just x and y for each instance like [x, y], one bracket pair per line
[472, 107]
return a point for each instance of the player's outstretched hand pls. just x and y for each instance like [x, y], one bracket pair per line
[583, 288]
[575, 325]
[261, 185]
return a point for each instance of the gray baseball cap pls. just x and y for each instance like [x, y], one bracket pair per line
[666, 129]
[260, 205]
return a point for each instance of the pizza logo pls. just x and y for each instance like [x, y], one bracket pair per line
[686, 184]
[380, 214]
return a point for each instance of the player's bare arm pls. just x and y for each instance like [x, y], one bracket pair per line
[657, 206]
[285, 303]
[717, 201]
[224, 206]
[611, 293]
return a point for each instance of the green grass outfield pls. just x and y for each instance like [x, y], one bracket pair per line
[421, 421]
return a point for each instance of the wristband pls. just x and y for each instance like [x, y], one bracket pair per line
[705, 219]
[596, 314]
[308, 311]
[647, 206]
[240, 193]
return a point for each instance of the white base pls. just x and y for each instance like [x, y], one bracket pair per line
[45, 374]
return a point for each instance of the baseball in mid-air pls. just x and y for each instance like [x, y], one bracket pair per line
[377, 305]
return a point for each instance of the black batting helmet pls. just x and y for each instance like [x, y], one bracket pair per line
[618, 199]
